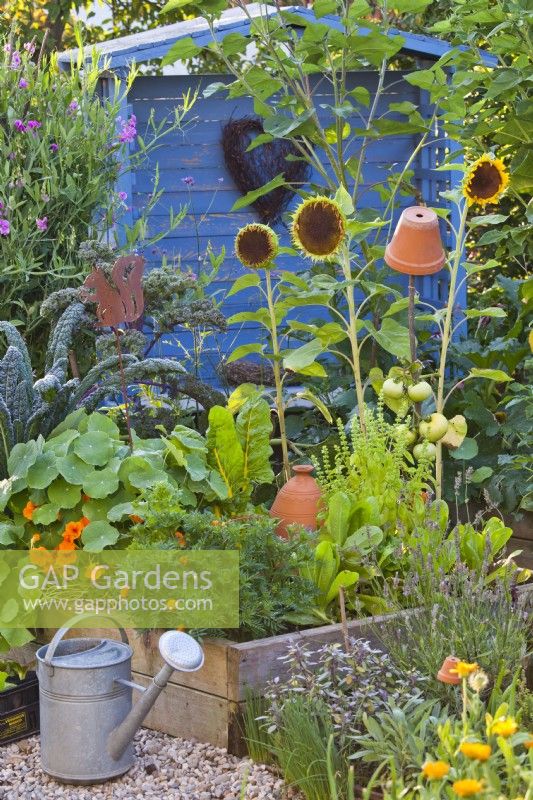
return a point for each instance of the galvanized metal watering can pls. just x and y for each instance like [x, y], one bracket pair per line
[85, 688]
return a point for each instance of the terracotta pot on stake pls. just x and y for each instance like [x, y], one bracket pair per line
[298, 501]
[415, 249]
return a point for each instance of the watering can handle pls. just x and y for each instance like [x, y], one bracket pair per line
[51, 649]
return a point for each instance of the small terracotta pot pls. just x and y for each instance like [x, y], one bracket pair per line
[446, 673]
[416, 247]
[298, 501]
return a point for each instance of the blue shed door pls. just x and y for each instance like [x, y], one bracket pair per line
[192, 172]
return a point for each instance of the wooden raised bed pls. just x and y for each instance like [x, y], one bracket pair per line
[207, 705]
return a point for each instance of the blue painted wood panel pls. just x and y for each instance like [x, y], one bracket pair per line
[197, 153]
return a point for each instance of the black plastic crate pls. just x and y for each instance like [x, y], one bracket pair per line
[19, 709]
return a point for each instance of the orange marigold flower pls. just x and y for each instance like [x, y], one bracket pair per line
[28, 510]
[504, 727]
[464, 669]
[435, 770]
[467, 787]
[476, 750]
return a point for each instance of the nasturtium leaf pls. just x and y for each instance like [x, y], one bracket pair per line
[46, 514]
[73, 469]
[59, 445]
[103, 423]
[22, 457]
[64, 494]
[121, 510]
[7, 533]
[148, 476]
[466, 451]
[9, 611]
[43, 471]
[101, 483]
[98, 535]
[94, 447]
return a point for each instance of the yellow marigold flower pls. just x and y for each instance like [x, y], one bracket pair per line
[256, 246]
[29, 508]
[318, 227]
[476, 750]
[435, 770]
[485, 181]
[464, 669]
[467, 787]
[504, 727]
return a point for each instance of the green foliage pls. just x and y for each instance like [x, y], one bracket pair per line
[271, 589]
[82, 471]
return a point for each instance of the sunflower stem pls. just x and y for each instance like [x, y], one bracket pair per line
[352, 335]
[280, 408]
[459, 244]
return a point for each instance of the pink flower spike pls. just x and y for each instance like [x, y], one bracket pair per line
[15, 60]
[19, 125]
[33, 124]
[42, 224]
[4, 227]
[122, 196]
[23, 83]
[54, 147]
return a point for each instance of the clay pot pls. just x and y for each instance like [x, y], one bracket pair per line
[298, 501]
[416, 247]
[446, 673]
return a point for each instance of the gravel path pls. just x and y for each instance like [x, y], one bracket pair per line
[166, 769]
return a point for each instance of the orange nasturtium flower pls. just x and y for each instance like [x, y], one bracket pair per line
[476, 750]
[467, 787]
[181, 538]
[136, 519]
[504, 727]
[435, 770]
[464, 669]
[73, 531]
[28, 510]
[529, 743]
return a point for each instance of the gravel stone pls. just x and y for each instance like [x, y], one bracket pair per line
[166, 768]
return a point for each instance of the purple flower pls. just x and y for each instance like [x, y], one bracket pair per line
[29, 47]
[45, 197]
[129, 130]
[42, 224]
[15, 60]
[188, 181]
[54, 147]
[73, 106]
[19, 125]
[122, 196]
[12, 156]
[7, 48]
[23, 83]
[4, 227]
[33, 124]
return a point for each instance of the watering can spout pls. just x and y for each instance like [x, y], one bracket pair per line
[181, 652]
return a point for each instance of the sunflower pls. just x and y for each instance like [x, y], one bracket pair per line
[485, 181]
[256, 245]
[319, 227]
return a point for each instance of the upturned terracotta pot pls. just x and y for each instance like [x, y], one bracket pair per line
[298, 501]
[447, 674]
[416, 247]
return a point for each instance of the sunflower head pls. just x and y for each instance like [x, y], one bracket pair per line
[485, 181]
[319, 227]
[256, 245]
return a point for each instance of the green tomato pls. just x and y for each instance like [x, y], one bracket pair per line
[425, 450]
[434, 427]
[404, 432]
[393, 389]
[419, 392]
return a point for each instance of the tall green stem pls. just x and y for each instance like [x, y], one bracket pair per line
[280, 408]
[446, 335]
[352, 334]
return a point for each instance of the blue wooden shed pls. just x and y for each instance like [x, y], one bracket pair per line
[198, 155]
